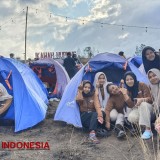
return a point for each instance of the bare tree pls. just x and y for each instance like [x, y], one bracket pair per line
[88, 51]
[139, 49]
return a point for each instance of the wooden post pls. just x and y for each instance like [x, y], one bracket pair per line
[25, 53]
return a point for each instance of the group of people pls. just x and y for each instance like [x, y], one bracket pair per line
[133, 102]
[103, 102]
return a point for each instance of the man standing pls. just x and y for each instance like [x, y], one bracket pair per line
[69, 65]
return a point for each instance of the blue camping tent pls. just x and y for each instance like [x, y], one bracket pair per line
[112, 65]
[136, 60]
[29, 95]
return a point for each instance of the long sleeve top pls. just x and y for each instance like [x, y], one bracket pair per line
[88, 104]
[143, 92]
[117, 102]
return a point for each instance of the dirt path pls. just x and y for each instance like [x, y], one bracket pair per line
[66, 143]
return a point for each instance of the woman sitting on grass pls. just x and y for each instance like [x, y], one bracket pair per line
[5, 100]
[141, 103]
[90, 113]
[100, 84]
[117, 101]
[154, 78]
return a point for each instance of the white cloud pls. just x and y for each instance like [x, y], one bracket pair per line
[50, 34]
[99, 9]
[60, 4]
[32, 47]
[43, 4]
[6, 4]
[76, 2]
[123, 36]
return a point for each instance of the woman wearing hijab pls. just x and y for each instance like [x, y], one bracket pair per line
[90, 112]
[141, 100]
[100, 83]
[5, 99]
[154, 78]
[150, 59]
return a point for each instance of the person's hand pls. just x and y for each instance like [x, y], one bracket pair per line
[138, 101]
[123, 90]
[97, 84]
[81, 86]
[157, 120]
[100, 120]
[122, 83]
[108, 125]
[157, 125]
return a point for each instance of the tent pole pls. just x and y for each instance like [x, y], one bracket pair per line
[25, 53]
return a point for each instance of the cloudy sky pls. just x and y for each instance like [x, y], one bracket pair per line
[49, 30]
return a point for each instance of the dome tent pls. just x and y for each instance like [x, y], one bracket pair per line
[112, 65]
[52, 72]
[29, 95]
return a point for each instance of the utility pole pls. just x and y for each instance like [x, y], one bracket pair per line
[25, 53]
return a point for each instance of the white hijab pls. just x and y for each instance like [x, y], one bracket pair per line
[103, 103]
[3, 93]
[155, 88]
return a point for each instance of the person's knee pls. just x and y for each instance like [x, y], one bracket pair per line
[113, 115]
[133, 118]
[113, 118]
[144, 106]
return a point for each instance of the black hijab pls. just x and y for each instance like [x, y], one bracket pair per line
[150, 64]
[91, 91]
[134, 89]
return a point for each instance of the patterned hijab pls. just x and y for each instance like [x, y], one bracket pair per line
[102, 92]
[150, 64]
[155, 88]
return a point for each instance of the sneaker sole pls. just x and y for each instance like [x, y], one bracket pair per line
[121, 136]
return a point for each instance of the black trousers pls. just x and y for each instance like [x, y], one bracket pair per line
[71, 72]
[89, 120]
